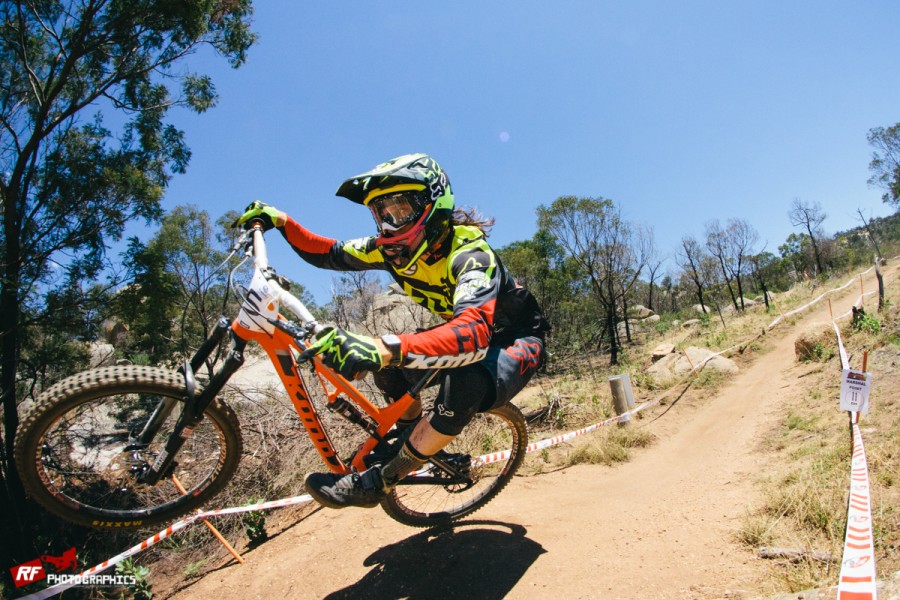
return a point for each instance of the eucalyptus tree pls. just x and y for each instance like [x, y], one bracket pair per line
[719, 247]
[742, 237]
[69, 182]
[885, 165]
[809, 216]
[693, 260]
[607, 249]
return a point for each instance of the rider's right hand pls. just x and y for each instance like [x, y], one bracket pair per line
[269, 216]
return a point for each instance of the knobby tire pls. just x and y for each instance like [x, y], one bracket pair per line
[71, 458]
[498, 430]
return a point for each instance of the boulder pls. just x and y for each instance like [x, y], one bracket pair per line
[114, 331]
[699, 308]
[633, 326]
[662, 350]
[697, 356]
[661, 370]
[676, 363]
[652, 319]
[640, 312]
[102, 355]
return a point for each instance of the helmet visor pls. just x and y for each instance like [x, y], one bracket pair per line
[396, 213]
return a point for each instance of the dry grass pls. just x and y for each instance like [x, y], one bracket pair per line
[806, 503]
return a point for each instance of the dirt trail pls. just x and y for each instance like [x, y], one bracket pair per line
[660, 526]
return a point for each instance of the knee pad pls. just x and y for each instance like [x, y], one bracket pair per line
[462, 393]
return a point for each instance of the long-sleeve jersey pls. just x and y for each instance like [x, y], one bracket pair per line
[461, 280]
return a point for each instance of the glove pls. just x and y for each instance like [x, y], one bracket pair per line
[269, 216]
[345, 352]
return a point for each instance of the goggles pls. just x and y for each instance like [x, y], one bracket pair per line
[395, 213]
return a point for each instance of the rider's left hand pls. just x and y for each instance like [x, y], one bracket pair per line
[346, 352]
[269, 216]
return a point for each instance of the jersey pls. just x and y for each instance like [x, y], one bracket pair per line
[462, 280]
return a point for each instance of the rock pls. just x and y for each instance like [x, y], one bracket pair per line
[640, 312]
[661, 370]
[690, 323]
[699, 308]
[677, 364]
[651, 320]
[114, 331]
[102, 355]
[633, 326]
[662, 350]
[697, 356]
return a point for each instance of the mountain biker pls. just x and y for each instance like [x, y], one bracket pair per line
[489, 346]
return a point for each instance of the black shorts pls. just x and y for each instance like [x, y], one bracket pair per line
[473, 388]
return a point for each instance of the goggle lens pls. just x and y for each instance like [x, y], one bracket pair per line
[395, 211]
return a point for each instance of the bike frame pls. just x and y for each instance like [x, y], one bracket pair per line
[259, 320]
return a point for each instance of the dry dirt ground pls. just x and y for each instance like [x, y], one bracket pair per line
[659, 526]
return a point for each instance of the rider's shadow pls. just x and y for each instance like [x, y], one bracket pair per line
[468, 559]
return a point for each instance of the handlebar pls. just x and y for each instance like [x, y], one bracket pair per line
[255, 242]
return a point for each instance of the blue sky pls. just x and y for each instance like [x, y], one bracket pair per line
[680, 112]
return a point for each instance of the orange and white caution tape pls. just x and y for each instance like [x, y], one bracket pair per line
[493, 457]
[857, 580]
[155, 539]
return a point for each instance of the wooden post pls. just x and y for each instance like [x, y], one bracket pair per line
[690, 362]
[214, 531]
[623, 398]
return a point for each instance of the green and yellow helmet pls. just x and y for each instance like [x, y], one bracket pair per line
[412, 202]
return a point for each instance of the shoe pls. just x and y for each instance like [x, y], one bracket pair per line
[364, 489]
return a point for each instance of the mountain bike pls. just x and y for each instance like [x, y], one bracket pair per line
[107, 447]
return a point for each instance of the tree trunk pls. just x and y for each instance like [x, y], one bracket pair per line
[728, 283]
[880, 279]
[700, 296]
[12, 494]
[815, 246]
[625, 312]
[611, 326]
[740, 287]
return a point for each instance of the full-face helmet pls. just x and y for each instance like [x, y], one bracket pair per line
[411, 201]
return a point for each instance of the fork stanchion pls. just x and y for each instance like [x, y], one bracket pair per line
[212, 528]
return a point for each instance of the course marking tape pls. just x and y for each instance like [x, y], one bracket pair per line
[167, 532]
[857, 579]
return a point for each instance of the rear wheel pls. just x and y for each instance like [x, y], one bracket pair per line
[77, 456]
[488, 452]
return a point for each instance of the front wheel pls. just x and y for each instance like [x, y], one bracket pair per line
[489, 451]
[77, 455]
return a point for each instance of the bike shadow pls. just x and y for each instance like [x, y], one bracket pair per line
[466, 559]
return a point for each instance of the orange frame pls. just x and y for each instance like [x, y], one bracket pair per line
[281, 349]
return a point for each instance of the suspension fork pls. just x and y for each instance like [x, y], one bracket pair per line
[194, 404]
